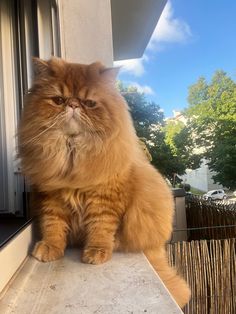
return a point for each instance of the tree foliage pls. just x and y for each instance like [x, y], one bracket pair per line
[210, 130]
[179, 138]
[149, 124]
[212, 120]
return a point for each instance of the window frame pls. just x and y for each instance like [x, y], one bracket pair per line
[9, 87]
[20, 45]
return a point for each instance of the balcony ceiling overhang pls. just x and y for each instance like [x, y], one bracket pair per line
[133, 22]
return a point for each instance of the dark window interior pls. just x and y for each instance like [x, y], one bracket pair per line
[25, 30]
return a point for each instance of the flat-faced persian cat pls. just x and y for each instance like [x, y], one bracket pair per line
[79, 149]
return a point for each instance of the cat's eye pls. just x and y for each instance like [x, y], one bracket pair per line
[58, 100]
[89, 103]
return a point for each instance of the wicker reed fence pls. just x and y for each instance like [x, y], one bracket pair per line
[210, 220]
[208, 260]
[210, 269]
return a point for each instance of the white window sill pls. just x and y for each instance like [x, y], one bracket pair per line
[126, 284]
[13, 254]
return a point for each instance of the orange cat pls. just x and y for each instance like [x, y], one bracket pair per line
[78, 147]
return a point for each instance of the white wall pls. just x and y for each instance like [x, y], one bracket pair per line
[211, 184]
[197, 178]
[86, 31]
[201, 178]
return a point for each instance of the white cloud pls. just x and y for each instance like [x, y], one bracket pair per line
[143, 88]
[133, 66]
[169, 29]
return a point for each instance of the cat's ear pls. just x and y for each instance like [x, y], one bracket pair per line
[110, 74]
[56, 65]
[41, 67]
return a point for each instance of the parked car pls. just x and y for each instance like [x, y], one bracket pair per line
[215, 195]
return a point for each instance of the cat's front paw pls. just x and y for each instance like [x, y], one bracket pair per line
[96, 255]
[45, 252]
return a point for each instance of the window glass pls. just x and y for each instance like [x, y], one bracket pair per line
[47, 29]
[10, 194]
[28, 28]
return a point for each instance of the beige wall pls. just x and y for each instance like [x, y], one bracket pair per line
[86, 31]
[201, 178]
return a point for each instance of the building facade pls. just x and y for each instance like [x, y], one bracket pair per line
[201, 178]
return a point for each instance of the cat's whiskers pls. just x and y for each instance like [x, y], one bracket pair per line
[95, 131]
[89, 126]
[96, 137]
[86, 120]
[58, 118]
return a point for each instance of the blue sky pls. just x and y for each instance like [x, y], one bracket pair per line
[193, 38]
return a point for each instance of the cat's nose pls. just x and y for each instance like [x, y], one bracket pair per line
[73, 103]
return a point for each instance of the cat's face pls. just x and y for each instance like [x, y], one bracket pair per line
[74, 99]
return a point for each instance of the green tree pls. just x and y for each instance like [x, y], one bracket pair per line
[179, 138]
[172, 129]
[212, 121]
[149, 124]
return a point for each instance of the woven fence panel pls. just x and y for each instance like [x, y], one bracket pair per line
[210, 220]
[210, 269]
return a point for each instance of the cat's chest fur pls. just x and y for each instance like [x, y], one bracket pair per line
[75, 208]
[83, 203]
[74, 201]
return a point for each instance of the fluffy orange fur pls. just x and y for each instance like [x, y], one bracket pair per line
[79, 149]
